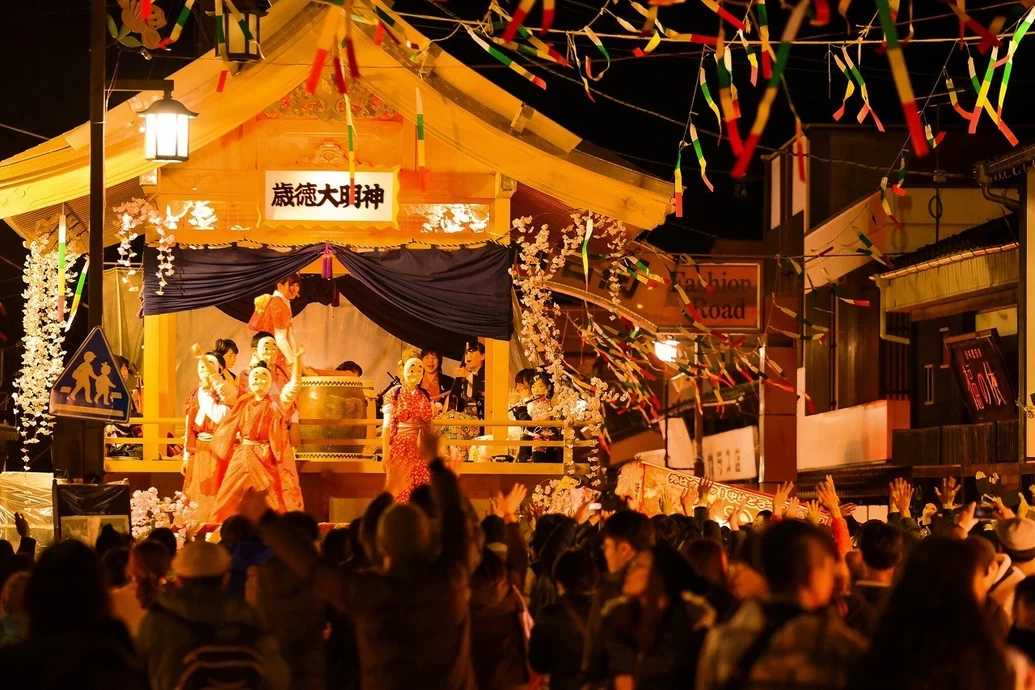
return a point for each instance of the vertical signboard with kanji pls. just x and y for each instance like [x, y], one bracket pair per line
[977, 361]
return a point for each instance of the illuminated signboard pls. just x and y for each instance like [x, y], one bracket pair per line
[324, 196]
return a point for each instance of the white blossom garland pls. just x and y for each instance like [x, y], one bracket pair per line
[148, 512]
[539, 261]
[43, 354]
[137, 212]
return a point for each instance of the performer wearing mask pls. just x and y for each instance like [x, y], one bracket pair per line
[206, 406]
[273, 315]
[263, 458]
[407, 412]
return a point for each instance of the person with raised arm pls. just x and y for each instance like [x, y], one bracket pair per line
[254, 443]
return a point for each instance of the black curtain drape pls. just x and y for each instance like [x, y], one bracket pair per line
[316, 290]
[433, 297]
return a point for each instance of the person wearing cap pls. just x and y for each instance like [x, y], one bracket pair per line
[468, 391]
[197, 611]
[411, 615]
[1017, 539]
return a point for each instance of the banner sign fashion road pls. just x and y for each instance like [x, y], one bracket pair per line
[323, 196]
[653, 489]
[722, 296]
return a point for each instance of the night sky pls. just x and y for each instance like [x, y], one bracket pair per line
[44, 47]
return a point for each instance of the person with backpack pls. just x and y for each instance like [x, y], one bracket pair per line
[197, 635]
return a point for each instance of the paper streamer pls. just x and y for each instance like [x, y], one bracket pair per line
[900, 74]
[752, 56]
[1018, 36]
[585, 249]
[988, 39]
[145, 9]
[849, 88]
[678, 191]
[239, 18]
[352, 150]
[653, 43]
[867, 109]
[822, 17]
[78, 295]
[983, 102]
[954, 99]
[763, 35]
[62, 238]
[603, 51]
[700, 157]
[548, 15]
[520, 14]
[690, 38]
[933, 140]
[886, 206]
[718, 9]
[396, 28]
[421, 161]
[790, 31]
[506, 60]
[339, 72]
[725, 98]
[323, 49]
[181, 21]
[350, 44]
[703, 81]
[220, 45]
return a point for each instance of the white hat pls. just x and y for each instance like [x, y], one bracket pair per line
[201, 559]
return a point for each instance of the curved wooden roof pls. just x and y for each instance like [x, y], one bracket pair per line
[460, 107]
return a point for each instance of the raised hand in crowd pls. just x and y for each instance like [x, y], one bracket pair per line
[826, 493]
[947, 493]
[507, 507]
[21, 525]
[901, 496]
[783, 492]
[966, 520]
[813, 514]
[1002, 512]
[790, 512]
[688, 499]
[704, 492]
[738, 513]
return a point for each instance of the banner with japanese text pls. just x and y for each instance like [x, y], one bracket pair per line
[323, 196]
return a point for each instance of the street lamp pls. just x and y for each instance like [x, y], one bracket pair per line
[667, 351]
[167, 130]
[242, 47]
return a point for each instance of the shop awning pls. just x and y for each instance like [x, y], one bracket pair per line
[953, 284]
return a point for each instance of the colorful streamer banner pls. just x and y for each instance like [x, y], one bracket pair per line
[323, 49]
[886, 206]
[603, 51]
[653, 43]
[350, 45]
[763, 35]
[220, 46]
[395, 27]
[849, 88]
[933, 140]
[505, 60]
[1018, 36]
[867, 109]
[78, 295]
[752, 56]
[421, 161]
[695, 142]
[181, 21]
[62, 238]
[954, 99]
[718, 9]
[678, 191]
[900, 74]
[352, 150]
[983, 102]
[790, 31]
[520, 14]
[725, 99]
[585, 247]
[988, 38]
[690, 38]
[703, 81]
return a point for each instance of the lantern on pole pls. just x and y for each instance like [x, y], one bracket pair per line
[167, 130]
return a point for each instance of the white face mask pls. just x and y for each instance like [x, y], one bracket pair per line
[413, 373]
[259, 382]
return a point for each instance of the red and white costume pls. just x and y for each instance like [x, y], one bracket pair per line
[254, 445]
[205, 409]
[406, 413]
[273, 315]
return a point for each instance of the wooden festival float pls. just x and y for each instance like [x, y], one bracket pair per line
[265, 178]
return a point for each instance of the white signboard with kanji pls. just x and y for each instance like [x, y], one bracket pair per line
[326, 196]
[731, 455]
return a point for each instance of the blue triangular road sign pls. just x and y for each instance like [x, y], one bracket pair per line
[91, 386]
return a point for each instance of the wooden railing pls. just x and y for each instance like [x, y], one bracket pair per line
[164, 463]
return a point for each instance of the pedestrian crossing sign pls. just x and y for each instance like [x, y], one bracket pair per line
[91, 386]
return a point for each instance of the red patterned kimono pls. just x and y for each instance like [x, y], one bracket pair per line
[204, 470]
[409, 412]
[253, 443]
